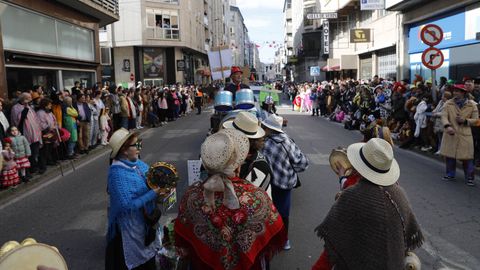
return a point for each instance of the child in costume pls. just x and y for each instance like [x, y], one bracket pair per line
[9, 171]
[21, 147]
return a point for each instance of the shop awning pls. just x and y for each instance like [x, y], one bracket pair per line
[330, 68]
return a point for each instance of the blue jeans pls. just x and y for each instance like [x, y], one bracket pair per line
[71, 147]
[468, 168]
[124, 122]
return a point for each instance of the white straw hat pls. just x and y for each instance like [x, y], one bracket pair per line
[241, 145]
[118, 138]
[216, 151]
[374, 161]
[274, 122]
[247, 123]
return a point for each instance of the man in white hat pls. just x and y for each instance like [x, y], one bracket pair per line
[371, 226]
[255, 164]
[286, 160]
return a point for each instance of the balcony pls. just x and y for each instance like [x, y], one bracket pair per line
[106, 11]
[288, 14]
[205, 20]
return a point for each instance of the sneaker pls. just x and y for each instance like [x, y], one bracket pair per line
[437, 153]
[470, 183]
[287, 245]
[448, 178]
[426, 148]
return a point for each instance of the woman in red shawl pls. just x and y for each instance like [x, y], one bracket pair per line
[226, 222]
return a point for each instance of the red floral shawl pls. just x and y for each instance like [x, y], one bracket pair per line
[222, 238]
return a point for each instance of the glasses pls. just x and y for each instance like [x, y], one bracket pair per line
[137, 145]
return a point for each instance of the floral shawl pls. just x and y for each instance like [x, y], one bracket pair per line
[229, 239]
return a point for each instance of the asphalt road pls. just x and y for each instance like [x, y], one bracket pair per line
[70, 212]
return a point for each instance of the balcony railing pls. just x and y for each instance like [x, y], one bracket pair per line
[106, 11]
[109, 5]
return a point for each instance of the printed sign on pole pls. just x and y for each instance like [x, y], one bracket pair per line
[315, 71]
[431, 34]
[432, 58]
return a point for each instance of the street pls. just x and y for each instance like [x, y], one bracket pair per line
[70, 212]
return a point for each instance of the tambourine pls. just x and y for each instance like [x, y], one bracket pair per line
[338, 156]
[29, 255]
[162, 175]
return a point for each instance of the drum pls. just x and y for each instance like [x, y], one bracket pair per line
[244, 99]
[30, 254]
[223, 101]
[338, 157]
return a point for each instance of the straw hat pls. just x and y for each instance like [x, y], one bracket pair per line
[374, 161]
[118, 138]
[216, 151]
[224, 148]
[274, 122]
[241, 145]
[247, 123]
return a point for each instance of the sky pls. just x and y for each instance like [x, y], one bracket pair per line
[264, 21]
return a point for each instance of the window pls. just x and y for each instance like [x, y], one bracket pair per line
[168, 1]
[162, 24]
[105, 56]
[32, 32]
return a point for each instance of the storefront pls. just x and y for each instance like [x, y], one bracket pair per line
[52, 52]
[460, 45]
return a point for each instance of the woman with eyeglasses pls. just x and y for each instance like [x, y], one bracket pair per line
[132, 211]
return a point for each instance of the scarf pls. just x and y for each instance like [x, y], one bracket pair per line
[222, 238]
[370, 227]
[460, 102]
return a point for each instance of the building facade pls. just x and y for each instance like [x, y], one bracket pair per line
[162, 42]
[51, 43]
[238, 36]
[302, 39]
[363, 43]
[460, 22]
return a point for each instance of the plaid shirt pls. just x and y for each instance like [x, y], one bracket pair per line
[286, 160]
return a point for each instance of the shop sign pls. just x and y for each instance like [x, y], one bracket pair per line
[319, 16]
[326, 37]
[372, 4]
[360, 35]
[180, 65]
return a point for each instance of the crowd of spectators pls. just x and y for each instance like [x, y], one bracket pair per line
[40, 127]
[411, 110]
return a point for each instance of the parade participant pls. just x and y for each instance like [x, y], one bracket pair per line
[199, 100]
[267, 108]
[247, 123]
[132, 206]
[236, 83]
[9, 170]
[371, 226]
[458, 115]
[286, 160]
[226, 222]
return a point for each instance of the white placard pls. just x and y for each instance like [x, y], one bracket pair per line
[194, 171]
[220, 60]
